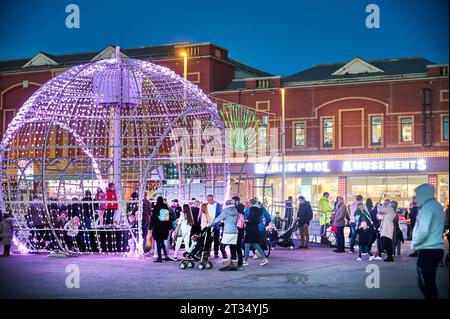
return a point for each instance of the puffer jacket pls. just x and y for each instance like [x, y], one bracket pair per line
[229, 217]
[427, 233]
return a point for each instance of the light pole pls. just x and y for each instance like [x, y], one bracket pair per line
[283, 146]
[184, 55]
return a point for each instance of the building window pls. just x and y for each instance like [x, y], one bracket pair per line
[327, 132]
[262, 84]
[193, 77]
[376, 130]
[444, 95]
[444, 128]
[406, 129]
[300, 133]
[194, 51]
[218, 53]
[443, 70]
[263, 105]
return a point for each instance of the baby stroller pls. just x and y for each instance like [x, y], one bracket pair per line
[199, 251]
[285, 240]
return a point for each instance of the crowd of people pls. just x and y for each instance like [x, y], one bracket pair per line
[247, 226]
[378, 225]
[234, 225]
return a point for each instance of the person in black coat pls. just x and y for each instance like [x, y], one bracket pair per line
[304, 216]
[160, 228]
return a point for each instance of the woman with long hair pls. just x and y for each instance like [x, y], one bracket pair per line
[182, 232]
[205, 219]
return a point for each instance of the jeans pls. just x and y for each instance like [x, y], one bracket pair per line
[365, 249]
[426, 268]
[218, 245]
[323, 230]
[160, 245]
[256, 246]
[353, 236]
[340, 238]
[388, 247]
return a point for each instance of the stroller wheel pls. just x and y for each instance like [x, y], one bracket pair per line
[208, 265]
[201, 266]
[190, 264]
[183, 265]
[292, 247]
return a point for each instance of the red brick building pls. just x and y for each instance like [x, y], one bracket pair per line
[377, 128]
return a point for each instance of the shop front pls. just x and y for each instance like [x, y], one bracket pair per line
[378, 179]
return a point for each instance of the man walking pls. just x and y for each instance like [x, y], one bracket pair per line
[427, 239]
[304, 216]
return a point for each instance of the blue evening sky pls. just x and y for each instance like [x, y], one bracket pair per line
[279, 36]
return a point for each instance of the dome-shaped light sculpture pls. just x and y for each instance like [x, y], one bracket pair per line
[122, 121]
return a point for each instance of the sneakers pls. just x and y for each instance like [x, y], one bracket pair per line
[371, 258]
[264, 262]
[358, 259]
[174, 258]
[351, 252]
[378, 258]
[257, 255]
[364, 254]
[158, 260]
[245, 263]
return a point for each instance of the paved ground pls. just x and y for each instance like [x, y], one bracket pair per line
[316, 273]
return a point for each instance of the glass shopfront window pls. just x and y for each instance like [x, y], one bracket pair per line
[443, 189]
[398, 188]
[312, 187]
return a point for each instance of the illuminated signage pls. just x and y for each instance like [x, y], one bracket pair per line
[384, 165]
[344, 166]
[309, 167]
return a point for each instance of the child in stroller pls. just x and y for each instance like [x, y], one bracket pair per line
[199, 250]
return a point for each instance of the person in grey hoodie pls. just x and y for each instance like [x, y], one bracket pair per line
[229, 217]
[427, 239]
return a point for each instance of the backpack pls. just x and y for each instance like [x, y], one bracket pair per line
[240, 223]
[164, 215]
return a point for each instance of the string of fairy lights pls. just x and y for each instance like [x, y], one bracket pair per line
[61, 150]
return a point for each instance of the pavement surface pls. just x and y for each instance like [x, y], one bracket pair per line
[300, 274]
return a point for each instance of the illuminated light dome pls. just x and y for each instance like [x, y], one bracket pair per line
[125, 121]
